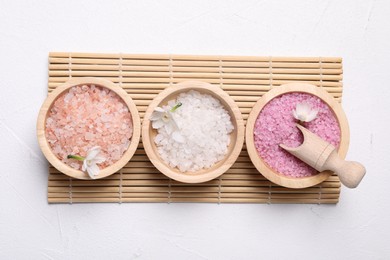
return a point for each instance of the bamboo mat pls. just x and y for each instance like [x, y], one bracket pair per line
[246, 79]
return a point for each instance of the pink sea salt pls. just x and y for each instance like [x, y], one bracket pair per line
[276, 125]
[88, 116]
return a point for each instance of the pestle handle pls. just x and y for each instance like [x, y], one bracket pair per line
[349, 172]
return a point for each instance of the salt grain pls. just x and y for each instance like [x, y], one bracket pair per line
[74, 124]
[276, 125]
[205, 127]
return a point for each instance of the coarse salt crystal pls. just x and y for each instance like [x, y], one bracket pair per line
[74, 124]
[205, 127]
[276, 125]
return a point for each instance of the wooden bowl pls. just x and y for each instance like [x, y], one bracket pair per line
[41, 125]
[268, 172]
[236, 142]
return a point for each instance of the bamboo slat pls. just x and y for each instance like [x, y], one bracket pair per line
[143, 76]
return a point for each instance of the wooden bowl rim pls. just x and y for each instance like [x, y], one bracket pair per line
[230, 158]
[262, 167]
[41, 125]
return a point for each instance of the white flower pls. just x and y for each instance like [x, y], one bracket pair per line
[89, 162]
[163, 117]
[304, 113]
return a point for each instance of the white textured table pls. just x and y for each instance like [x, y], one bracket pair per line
[357, 228]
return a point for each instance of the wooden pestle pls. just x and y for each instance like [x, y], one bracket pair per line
[322, 156]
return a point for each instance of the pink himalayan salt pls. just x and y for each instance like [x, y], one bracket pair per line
[276, 125]
[88, 116]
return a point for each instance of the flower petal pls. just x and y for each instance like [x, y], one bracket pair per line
[157, 124]
[312, 115]
[93, 152]
[172, 119]
[156, 115]
[305, 107]
[159, 109]
[169, 127]
[85, 166]
[93, 170]
[99, 159]
[299, 107]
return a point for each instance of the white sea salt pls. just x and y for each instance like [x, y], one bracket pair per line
[205, 127]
